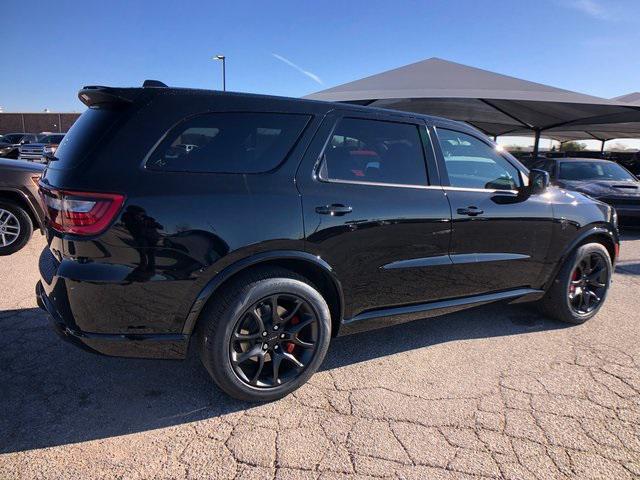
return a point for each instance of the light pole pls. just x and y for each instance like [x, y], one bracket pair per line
[224, 75]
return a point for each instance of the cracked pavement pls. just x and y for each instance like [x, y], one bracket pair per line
[497, 391]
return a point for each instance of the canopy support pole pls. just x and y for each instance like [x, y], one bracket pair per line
[536, 143]
[495, 138]
[602, 147]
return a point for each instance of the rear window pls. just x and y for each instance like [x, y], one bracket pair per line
[83, 135]
[232, 142]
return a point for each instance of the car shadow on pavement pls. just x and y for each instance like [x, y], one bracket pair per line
[628, 268]
[54, 393]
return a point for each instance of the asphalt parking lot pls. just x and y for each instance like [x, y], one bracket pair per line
[497, 391]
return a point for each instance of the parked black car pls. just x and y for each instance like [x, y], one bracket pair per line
[20, 209]
[10, 143]
[604, 180]
[255, 228]
[5, 147]
[39, 151]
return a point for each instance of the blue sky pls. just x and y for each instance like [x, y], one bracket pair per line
[297, 47]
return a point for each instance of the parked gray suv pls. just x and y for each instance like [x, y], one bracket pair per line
[20, 210]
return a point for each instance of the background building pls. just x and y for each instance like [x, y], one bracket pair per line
[36, 122]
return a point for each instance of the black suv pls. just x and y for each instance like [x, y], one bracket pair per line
[255, 228]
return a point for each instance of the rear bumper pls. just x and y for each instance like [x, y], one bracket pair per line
[167, 346]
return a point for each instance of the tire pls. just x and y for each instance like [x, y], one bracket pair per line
[563, 299]
[13, 216]
[228, 317]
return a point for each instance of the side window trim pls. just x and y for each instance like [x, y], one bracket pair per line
[444, 175]
[321, 161]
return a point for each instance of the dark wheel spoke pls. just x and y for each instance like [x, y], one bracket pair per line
[294, 330]
[596, 273]
[275, 316]
[244, 356]
[293, 311]
[585, 301]
[293, 360]
[246, 337]
[255, 314]
[276, 360]
[597, 265]
[594, 296]
[301, 343]
[256, 375]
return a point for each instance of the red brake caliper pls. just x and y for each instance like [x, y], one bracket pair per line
[291, 346]
[574, 277]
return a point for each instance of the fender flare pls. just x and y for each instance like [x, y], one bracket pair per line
[212, 285]
[33, 210]
[587, 232]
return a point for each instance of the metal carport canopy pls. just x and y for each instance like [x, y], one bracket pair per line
[494, 103]
[595, 131]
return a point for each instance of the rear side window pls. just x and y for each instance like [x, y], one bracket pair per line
[361, 150]
[233, 142]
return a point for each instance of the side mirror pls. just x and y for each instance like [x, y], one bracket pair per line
[538, 181]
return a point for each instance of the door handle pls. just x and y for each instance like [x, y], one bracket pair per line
[335, 209]
[470, 211]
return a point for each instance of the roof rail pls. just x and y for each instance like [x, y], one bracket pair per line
[154, 84]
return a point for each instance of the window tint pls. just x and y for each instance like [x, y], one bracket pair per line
[375, 151]
[13, 137]
[83, 136]
[52, 139]
[229, 143]
[471, 163]
[571, 170]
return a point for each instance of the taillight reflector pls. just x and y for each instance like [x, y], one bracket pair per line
[80, 213]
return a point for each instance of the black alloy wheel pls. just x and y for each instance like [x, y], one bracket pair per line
[581, 286]
[264, 334]
[588, 284]
[274, 340]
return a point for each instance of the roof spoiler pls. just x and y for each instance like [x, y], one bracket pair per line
[94, 95]
[153, 84]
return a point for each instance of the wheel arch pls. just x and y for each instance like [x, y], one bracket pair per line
[21, 199]
[603, 234]
[319, 272]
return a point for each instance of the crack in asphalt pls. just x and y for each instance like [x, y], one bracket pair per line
[549, 403]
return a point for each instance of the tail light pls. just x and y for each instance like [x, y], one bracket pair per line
[80, 213]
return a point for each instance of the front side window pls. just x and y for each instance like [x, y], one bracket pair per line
[361, 150]
[471, 163]
[579, 171]
[233, 142]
